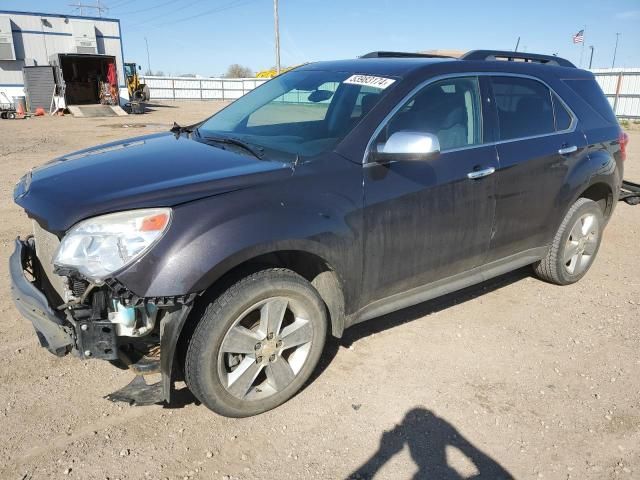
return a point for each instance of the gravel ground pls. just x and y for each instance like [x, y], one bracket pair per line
[514, 375]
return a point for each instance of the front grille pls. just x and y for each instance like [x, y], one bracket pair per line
[46, 245]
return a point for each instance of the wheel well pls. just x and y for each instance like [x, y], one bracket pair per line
[310, 266]
[601, 194]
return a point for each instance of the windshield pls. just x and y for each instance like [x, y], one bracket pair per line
[301, 113]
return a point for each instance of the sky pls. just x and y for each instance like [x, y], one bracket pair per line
[205, 36]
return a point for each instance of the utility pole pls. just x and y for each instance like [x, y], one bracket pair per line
[591, 57]
[277, 30]
[148, 58]
[615, 50]
[517, 44]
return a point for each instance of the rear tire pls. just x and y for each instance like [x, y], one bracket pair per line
[574, 246]
[146, 93]
[256, 344]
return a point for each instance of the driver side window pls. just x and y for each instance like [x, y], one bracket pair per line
[449, 109]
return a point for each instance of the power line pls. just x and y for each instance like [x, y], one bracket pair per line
[164, 14]
[118, 4]
[146, 9]
[81, 6]
[228, 6]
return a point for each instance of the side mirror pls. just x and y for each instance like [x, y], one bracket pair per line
[407, 145]
[139, 67]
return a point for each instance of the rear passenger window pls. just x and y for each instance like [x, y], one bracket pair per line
[563, 117]
[524, 107]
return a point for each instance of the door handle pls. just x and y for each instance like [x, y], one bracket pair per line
[481, 173]
[568, 150]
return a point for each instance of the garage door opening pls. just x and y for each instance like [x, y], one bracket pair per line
[89, 79]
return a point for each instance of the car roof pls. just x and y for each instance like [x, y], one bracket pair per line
[395, 67]
[404, 66]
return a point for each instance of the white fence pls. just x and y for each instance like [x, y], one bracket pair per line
[621, 86]
[184, 88]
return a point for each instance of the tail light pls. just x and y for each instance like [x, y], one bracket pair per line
[623, 139]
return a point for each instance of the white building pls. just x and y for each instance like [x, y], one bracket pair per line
[43, 52]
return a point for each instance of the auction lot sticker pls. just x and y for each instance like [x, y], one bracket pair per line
[370, 81]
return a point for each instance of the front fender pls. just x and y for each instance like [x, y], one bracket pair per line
[209, 237]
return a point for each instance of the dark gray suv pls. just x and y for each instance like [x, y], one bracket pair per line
[225, 252]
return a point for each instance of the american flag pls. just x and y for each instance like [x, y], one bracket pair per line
[578, 37]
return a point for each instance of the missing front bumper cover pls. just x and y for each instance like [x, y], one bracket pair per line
[79, 329]
[33, 305]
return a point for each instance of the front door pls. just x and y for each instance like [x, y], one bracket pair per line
[427, 220]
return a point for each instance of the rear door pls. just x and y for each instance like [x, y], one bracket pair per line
[538, 142]
[427, 220]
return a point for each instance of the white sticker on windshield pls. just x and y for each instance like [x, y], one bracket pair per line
[370, 81]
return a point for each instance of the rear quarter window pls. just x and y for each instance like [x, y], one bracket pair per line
[591, 93]
[563, 117]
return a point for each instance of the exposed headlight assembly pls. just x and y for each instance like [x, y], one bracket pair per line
[102, 245]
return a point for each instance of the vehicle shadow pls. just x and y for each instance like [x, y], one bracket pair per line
[159, 105]
[427, 436]
[395, 319]
[181, 398]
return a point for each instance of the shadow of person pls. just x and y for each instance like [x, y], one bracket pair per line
[427, 437]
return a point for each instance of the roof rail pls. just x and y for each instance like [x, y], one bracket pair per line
[491, 55]
[402, 55]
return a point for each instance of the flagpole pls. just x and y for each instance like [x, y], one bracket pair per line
[584, 32]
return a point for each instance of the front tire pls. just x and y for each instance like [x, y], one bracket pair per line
[575, 245]
[256, 344]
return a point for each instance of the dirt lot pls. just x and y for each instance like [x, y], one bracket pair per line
[514, 375]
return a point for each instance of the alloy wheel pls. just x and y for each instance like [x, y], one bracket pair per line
[581, 244]
[265, 349]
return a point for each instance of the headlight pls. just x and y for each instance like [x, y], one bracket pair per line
[102, 245]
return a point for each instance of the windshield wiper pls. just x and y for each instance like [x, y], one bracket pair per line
[177, 129]
[238, 143]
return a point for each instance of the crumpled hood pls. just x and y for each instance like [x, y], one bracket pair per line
[151, 171]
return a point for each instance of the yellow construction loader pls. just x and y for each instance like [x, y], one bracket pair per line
[137, 91]
[272, 72]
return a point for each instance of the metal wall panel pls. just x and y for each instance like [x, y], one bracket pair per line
[622, 88]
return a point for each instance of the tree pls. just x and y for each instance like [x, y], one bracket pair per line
[238, 71]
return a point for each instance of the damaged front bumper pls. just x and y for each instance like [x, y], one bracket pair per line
[81, 332]
[51, 325]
